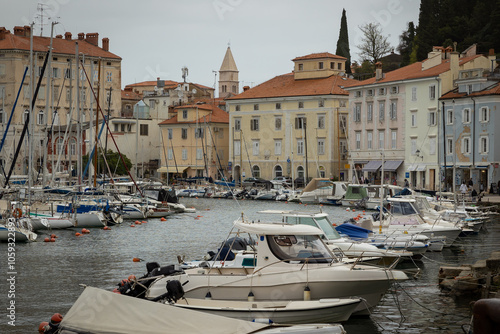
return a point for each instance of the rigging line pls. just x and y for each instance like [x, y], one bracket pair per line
[49, 134]
[11, 115]
[111, 133]
[173, 154]
[248, 155]
[164, 152]
[216, 153]
[205, 158]
[26, 122]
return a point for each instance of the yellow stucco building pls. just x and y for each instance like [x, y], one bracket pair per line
[195, 142]
[294, 124]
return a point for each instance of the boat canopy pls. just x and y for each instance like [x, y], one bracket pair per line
[277, 228]
[98, 311]
[316, 183]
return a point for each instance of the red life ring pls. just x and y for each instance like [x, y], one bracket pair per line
[17, 213]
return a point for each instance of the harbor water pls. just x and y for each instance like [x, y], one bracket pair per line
[42, 278]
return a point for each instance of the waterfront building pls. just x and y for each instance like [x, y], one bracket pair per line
[136, 130]
[394, 118]
[55, 109]
[195, 141]
[294, 124]
[470, 120]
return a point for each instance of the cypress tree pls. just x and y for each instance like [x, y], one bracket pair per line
[343, 43]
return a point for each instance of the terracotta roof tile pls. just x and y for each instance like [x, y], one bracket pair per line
[60, 46]
[130, 95]
[454, 94]
[285, 85]
[319, 55]
[413, 71]
[216, 115]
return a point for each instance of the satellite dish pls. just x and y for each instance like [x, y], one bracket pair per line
[194, 91]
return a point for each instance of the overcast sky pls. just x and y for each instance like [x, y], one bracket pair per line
[156, 38]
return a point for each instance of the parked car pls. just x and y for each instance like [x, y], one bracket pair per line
[253, 181]
[299, 182]
[287, 181]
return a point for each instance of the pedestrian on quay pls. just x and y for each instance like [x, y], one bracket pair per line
[407, 184]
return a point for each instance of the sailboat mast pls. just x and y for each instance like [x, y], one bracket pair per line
[31, 110]
[96, 168]
[78, 120]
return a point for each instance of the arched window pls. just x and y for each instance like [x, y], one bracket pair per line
[234, 89]
[322, 172]
[256, 171]
[278, 171]
[26, 115]
[300, 171]
[40, 120]
[72, 146]
[59, 145]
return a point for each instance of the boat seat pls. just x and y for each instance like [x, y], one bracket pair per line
[150, 266]
[166, 271]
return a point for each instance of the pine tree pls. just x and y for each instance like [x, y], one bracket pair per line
[405, 47]
[343, 43]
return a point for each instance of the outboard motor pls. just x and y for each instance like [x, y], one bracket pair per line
[173, 294]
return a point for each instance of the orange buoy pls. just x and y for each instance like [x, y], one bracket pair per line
[53, 235]
[137, 222]
[107, 228]
[115, 290]
[46, 240]
[56, 318]
[353, 210]
[52, 239]
[132, 278]
[136, 259]
[77, 234]
[43, 326]
[84, 230]
[163, 219]
[144, 222]
[132, 225]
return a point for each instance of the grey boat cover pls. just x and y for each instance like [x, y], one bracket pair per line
[97, 311]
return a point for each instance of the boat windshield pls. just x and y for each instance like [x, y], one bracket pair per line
[402, 208]
[301, 248]
[321, 222]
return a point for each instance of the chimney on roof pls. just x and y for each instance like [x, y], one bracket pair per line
[81, 36]
[68, 35]
[3, 32]
[492, 58]
[454, 65]
[378, 71]
[245, 88]
[105, 44]
[19, 31]
[27, 31]
[92, 38]
[59, 36]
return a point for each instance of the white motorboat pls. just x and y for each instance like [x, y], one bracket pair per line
[324, 191]
[286, 260]
[404, 218]
[353, 249]
[278, 312]
[17, 230]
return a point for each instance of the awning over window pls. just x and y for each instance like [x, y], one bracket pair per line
[362, 162]
[170, 169]
[392, 165]
[482, 167]
[421, 168]
[372, 166]
[411, 168]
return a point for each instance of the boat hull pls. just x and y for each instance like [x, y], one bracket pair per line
[331, 282]
[295, 312]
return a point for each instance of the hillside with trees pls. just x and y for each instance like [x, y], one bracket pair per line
[443, 22]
